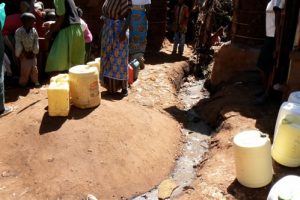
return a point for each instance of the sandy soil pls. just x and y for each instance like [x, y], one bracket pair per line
[115, 151]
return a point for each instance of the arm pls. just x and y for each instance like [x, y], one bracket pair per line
[19, 46]
[8, 43]
[126, 26]
[36, 43]
[148, 10]
[55, 27]
[60, 11]
[277, 11]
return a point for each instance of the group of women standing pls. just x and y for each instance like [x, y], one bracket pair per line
[124, 37]
[118, 46]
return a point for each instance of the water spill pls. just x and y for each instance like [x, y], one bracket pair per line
[197, 135]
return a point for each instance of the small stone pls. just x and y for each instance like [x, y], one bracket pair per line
[166, 188]
[90, 150]
[91, 197]
[50, 159]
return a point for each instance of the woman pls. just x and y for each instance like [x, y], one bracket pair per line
[114, 45]
[139, 29]
[68, 48]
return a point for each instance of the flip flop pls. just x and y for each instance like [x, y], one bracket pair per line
[7, 110]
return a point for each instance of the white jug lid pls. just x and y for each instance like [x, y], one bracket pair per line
[82, 70]
[250, 139]
[295, 97]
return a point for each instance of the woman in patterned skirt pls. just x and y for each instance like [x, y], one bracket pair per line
[138, 29]
[114, 45]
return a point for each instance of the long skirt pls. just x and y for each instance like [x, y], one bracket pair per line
[114, 56]
[67, 50]
[138, 32]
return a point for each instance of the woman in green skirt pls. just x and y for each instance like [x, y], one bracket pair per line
[68, 48]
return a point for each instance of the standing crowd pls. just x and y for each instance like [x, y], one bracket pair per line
[30, 31]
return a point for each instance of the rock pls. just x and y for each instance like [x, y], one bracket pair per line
[166, 188]
[91, 197]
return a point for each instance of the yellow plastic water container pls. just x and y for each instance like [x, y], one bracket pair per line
[94, 64]
[294, 97]
[287, 108]
[59, 96]
[286, 188]
[84, 86]
[98, 60]
[286, 147]
[253, 161]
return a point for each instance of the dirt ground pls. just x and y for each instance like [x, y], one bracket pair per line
[231, 110]
[115, 151]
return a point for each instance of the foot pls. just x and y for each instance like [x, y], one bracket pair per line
[7, 110]
[261, 99]
[124, 92]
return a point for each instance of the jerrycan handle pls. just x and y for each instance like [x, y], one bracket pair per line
[264, 135]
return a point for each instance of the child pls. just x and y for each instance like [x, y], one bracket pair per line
[180, 26]
[27, 47]
[88, 37]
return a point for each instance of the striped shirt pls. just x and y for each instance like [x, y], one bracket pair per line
[116, 9]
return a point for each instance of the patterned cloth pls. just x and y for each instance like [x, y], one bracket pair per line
[138, 32]
[26, 41]
[116, 9]
[114, 54]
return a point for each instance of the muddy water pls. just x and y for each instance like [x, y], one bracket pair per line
[197, 136]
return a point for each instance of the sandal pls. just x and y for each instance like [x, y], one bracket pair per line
[7, 110]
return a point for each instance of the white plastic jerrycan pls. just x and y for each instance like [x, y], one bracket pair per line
[252, 152]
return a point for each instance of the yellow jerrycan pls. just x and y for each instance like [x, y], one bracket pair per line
[286, 147]
[253, 161]
[98, 60]
[84, 87]
[287, 108]
[59, 96]
[94, 64]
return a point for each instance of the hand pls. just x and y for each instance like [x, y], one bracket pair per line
[48, 35]
[48, 24]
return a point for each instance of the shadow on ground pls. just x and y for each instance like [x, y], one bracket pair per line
[162, 57]
[51, 124]
[238, 97]
[189, 120]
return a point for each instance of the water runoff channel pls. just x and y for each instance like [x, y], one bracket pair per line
[197, 135]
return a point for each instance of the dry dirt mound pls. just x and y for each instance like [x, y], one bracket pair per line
[114, 151]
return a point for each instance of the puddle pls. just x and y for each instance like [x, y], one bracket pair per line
[197, 135]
